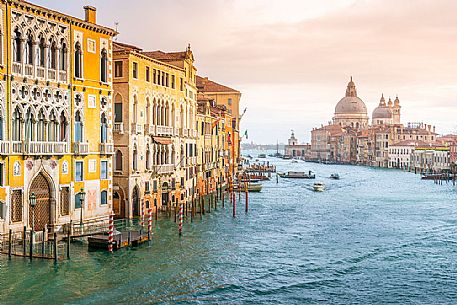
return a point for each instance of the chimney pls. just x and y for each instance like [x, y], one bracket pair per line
[433, 129]
[91, 14]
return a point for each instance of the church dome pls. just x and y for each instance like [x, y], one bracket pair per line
[351, 104]
[382, 112]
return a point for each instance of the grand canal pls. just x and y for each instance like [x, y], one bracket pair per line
[374, 237]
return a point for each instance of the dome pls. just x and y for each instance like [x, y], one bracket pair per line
[382, 113]
[350, 105]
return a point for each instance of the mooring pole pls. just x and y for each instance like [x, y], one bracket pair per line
[111, 233]
[149, 223]
[43, 243]
[24, 241]
[31, 243]
[180, 219]
[10, 241]
[68, 243]
[55, 247]
[246, 191]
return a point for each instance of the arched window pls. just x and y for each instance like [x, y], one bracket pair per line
[63, 128]
[78, 61]
[104, 66]
[29, 50]
[1, 127]
[118, 160]
[29, 124]
[103, 197]
[63, 56]
[148, 109]
[118, 109]
[135, 159]
[103, 129]
[154, 113]
[53, 127]
[40, 126]
[135, 109]
[148, 158]
[53, 55]
[17, 46]
[17, 125]
[42, 53]
[78, 128]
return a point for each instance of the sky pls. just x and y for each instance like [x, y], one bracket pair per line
[292, 59]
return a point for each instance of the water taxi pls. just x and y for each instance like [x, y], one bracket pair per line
[298, 175]
[319, 187]
[335, 176]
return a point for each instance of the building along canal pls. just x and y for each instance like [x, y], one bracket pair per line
[375, 236]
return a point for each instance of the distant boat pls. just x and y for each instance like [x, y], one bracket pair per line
[252, 187]
[294, 161]
[319, 187]
[262, 156]
[287, 157]
[298, 175]
[335, 176]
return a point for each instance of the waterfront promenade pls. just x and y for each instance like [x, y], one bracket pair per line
[375, 236]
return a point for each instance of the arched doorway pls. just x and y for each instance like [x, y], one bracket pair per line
[136, 202]
[165, 194]
[42, 211]
[118, 205]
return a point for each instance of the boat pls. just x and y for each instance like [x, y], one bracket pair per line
[287, 157]
[294, 161]
[252, 187]
[262, 156]
[319, 187]
[335, 176]
[298, 175]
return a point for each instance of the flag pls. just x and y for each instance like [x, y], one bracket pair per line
[215, 123]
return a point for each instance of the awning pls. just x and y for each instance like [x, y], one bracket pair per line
[162, 140]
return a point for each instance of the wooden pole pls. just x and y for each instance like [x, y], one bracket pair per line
[149, 223]
[43, 242]
[55, 247]
[68, 243]
[10, 241]
[180, 219]
[111, 232]
[24, 241]
[246, 192]
[31, 244]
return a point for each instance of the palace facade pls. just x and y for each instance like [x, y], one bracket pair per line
[55, 117]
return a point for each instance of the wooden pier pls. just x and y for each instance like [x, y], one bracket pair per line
[120, 240]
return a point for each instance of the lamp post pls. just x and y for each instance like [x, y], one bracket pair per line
[32, 201]
[82, 196]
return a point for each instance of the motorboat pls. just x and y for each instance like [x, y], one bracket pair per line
[298, 175]
[319, 187]
[262, 156]
[252, 187]
[294, 161]
[335, 176]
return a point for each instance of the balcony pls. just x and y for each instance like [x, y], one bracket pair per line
[52, 74]
[28, 70]
[119, 128]
[207, 137]
[80, 148]
[184, 132]
[165, 168]
[37, 147]
[164, 131]
[106, 148]
[63, 76]
[4, 148]
[40, 72]
[152, 130]
[137, 128]
[17, 68]
[194, 133]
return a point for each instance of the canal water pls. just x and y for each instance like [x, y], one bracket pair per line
[376, 236]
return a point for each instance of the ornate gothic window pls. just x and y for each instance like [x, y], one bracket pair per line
[40, 126]
[17, 46]
[78, 127]
[103, 129]
[104, 66]
[53, 127]
[17, 124]
[53, 55]
[63, 56]
[135, 159]
[78, 61]
[42, 52]
[29, 49]
[148, 158]
[29, 126]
